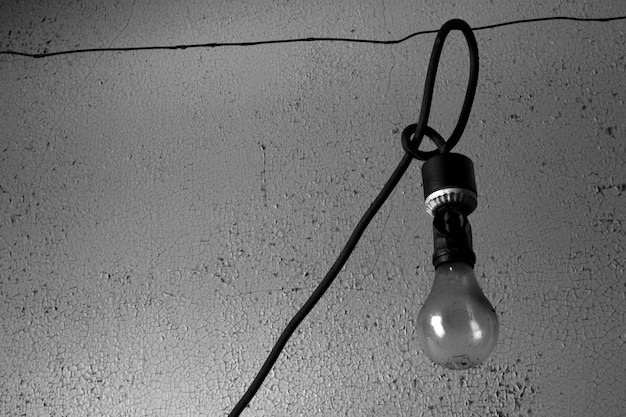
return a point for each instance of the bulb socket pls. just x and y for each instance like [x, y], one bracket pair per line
[449, 179]
[452, 237]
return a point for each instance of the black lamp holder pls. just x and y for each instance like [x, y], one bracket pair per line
[450, 196]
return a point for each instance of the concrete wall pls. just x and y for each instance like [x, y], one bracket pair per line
[164, 213]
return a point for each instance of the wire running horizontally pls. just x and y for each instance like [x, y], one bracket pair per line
[303, 40]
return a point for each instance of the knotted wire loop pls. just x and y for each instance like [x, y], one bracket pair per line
[413, 134]
[411, 142]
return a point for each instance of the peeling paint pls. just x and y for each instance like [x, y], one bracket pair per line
[164, 213]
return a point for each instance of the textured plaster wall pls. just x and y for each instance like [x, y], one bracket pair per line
[164, 213]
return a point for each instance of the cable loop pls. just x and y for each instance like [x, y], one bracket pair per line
[421, 128]
[411, 142]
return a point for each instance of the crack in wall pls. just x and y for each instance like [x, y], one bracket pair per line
[263, 175]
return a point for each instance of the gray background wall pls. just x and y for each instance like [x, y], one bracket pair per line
[164, 213]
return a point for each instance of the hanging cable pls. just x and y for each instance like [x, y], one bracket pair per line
[411, 139]
[323, 285]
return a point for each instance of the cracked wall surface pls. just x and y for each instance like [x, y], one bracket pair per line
[165, 213]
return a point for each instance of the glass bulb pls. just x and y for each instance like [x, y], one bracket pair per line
[457, 326]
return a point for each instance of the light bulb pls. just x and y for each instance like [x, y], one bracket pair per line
[457, 326]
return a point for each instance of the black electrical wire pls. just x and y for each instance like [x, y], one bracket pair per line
[323, 285]
[302, 40]
[411, 146]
